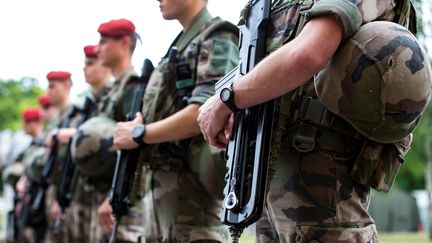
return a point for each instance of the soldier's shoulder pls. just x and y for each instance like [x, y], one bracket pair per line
[217, 28]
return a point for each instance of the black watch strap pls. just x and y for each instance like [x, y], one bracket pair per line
[227, 97]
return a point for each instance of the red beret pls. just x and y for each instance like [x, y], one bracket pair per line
[31, 114]
[117, 28]
[90, 51]
[44, 100]
[58, 75]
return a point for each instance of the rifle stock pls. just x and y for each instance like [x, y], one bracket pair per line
[248, 151]
[121, 196]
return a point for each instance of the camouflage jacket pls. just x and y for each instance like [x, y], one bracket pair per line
[208, 50]
[68, 117]
[28, 163]
[115, 104]
[34, 160]
[288, 18]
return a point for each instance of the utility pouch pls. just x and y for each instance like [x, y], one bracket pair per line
[378, 164]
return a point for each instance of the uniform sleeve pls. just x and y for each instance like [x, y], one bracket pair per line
[218, 55]
[351, 14]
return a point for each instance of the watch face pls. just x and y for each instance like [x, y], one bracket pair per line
[138, 131]
[225, 94]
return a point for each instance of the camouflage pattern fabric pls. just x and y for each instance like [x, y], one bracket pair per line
[183, 191]
[378, 164]
[28, 163]
[95, 156]
[34, 160]
[315, 195]
[92, 148]
[317, 201]
[63, 118]
[51, 237]
[80, 210]
[96, 233]
[79, 215]
[12, 173]
[114, 104]
[379, 80]
[52, 189]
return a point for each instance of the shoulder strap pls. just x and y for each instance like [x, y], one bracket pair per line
[217, 24]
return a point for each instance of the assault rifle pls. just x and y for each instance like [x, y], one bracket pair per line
[248, 151]
[68, 173]
[121, 196]
[46, 178]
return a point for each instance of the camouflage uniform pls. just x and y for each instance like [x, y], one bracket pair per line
[63, 121]
[320, 181]
[96, 159]
[29, 164]
[80, 210]
[185, 178]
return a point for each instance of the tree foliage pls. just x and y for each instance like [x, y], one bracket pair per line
[15, 96]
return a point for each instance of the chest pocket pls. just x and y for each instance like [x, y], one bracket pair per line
[285, 22]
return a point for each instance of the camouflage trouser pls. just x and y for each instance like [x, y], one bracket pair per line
[313, 199]
[50, 236]
[96, 233]
[129, 229]
[179, 209]
[131, 225]
[79, 215]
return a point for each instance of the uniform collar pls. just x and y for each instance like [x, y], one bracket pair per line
[197, 25]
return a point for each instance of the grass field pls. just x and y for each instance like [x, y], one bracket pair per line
[384, 238]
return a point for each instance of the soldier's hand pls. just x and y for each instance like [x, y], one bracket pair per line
[105, 216]
[216, 120]
[21, 186]
[55, 210]
[65, 134]
[123, 133]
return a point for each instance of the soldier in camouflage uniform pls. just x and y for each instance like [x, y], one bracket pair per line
[82, 225]
[184, 175]
[337, 137]
[34, 228]
[93, 150]
[59, 85]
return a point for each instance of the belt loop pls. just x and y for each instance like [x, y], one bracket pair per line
[304, 140]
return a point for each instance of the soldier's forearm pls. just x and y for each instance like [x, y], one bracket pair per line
[180, 125]
[290, 66]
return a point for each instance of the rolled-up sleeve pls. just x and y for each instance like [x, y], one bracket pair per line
[218, 55]
[345, 12]
[351, 14]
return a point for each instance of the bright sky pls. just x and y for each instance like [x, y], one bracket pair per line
[45, 35]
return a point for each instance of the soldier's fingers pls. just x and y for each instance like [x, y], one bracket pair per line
[228, 129]
[139, 117]
[215, 142]
[222, 138]
[102, 219]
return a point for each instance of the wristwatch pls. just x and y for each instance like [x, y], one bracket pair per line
[54, 133]
[227, 97]
[138, 134]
